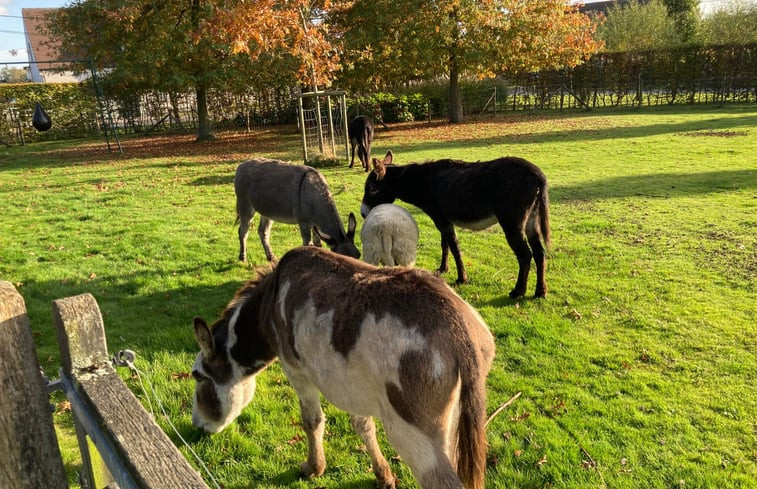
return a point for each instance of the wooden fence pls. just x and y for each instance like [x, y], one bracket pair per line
[119, 441]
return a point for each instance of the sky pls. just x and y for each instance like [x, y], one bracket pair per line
[12, 27]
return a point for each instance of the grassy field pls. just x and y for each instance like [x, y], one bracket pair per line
[637, 371]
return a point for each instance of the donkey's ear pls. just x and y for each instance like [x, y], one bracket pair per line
[324, 237]
[351, 226]
[389, 158]
[204, 337]
[378, 168]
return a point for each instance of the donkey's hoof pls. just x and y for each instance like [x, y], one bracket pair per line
[540, 293]
[515, 293]
[308, 471]
[388, 483]
[242, 257]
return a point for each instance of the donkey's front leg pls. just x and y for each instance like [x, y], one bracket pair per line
[444, 265]
[366, 428]
[449, 243]
[308, 234]
[314, 424]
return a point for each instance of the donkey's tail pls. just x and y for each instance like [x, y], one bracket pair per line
[471, 443]
[544, 214]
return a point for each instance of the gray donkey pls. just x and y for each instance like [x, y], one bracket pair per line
[293, 194]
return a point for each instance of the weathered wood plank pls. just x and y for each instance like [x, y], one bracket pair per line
[147, 454]
[30, 457]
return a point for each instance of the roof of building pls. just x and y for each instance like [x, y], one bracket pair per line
[39, 45]
[601, 7]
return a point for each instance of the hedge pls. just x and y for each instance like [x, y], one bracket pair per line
[72, 108]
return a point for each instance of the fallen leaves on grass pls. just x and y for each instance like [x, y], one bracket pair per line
[574, 314]
[558, 408]
[295, 439]
[521, 417]
[720, 134]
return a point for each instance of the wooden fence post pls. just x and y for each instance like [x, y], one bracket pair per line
[82, 346]
[137, 452]
[30, 457]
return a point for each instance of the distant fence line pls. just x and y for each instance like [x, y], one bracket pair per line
[683, 75]
[715, 74]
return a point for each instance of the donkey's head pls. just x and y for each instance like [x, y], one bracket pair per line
[223, 386]
[376, 190]
[344, 246]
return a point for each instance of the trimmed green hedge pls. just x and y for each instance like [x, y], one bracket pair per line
[429, 99]
[72, 108]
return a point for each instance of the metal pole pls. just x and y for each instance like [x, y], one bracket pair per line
[302, 126]
[318, 118]
[343, 99]
[331, 124]
[109, 122]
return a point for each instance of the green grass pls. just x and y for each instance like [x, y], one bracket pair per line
[637, 371]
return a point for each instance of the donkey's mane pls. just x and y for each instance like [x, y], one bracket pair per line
[246, 291]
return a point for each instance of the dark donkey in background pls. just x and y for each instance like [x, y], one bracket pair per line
[474, 196]
[395, 343]
[360, 132]
[294, 194]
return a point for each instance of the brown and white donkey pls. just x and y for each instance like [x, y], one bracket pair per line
[394, 343]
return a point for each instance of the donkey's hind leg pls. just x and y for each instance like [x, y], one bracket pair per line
[514, 229]
[424, 454]
[534, 240]
[366, 428]
[264, 231]
[244, 215]
[353, 144]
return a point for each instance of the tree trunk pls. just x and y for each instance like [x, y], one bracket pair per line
[203, 122]
[455, 97]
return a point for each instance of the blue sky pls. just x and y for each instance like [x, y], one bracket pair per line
[12, 28]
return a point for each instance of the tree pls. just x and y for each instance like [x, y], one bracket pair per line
[190, 44]
[734, 22]
[383, 44]
[685, 15]
[638, 27]
[295, 30]
[13, 75]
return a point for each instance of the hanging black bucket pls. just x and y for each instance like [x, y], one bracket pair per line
[41, 121]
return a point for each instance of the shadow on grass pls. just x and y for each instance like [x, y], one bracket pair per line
[658, 185]
[146, 322]
[214, 180]
[292, 476]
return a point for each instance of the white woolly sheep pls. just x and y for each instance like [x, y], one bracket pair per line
[389, 236]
